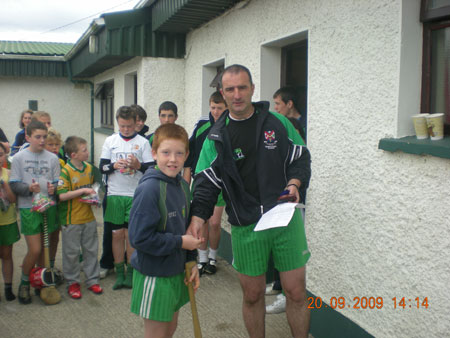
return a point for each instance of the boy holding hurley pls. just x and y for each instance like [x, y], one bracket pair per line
[157, 227]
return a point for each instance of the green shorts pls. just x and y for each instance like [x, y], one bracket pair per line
[220, 201]
[158, 298]
[32, 223]
[9, 234]
[118, 209]
[251, 249]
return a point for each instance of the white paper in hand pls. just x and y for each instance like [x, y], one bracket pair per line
[279, 216]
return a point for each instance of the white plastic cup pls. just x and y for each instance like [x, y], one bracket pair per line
[420, 126]
[435, 123]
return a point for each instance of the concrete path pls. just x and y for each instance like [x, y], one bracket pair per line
[108, 315]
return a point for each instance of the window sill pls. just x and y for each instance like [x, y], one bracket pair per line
[411, 145]
[105, 131]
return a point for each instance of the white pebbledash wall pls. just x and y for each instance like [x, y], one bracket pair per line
[70, 116]
[376, 221]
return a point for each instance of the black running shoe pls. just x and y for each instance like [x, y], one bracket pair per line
[201, 268]
[211, 268]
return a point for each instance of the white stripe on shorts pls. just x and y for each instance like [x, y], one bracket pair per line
[146, 302]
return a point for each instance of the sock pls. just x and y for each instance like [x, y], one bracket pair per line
[120, 275]
[8, 292]
[203, 256]
[25, 279]
[52, 263]
[128, 283]
[212, 254]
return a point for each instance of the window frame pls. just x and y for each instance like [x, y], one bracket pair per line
[432, 19]
[105, 93]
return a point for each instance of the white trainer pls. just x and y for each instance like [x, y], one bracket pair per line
[278, 306]
[270, 291]
[105, 272]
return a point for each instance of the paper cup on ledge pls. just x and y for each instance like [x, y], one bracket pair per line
[435, 123]
[420, 126]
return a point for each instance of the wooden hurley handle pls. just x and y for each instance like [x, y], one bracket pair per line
[46, 242]
[195, 321]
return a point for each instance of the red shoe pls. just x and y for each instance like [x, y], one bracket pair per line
[96, 289]
[74, 291]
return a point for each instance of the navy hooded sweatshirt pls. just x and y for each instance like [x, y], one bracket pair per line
[158, 251]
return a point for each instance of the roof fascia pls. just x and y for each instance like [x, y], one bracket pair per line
[95, 26]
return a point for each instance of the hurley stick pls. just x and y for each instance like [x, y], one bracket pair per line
[50, 294]
[195, 321]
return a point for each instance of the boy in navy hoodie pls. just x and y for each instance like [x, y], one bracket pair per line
[157, 226]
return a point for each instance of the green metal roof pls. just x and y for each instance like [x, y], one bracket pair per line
[44, 68]
[184, 15]
[34, 48]
[121, 36]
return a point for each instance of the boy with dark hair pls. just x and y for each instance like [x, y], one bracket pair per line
[141, 117]
[34, 170]
[158, 222]
[167, 113]
[125, 157]
[207, 260]
[79, 228]
[287, 104]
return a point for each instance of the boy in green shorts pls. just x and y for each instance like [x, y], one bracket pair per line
[157, 227]
[34, 170]
[9, 232]
[125, 157]
[207, 258]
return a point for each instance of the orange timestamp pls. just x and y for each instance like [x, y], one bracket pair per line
[366, 303]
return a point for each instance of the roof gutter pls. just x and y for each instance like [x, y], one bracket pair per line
[95, 26]
[32, 57]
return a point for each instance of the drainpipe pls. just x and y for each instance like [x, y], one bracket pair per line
[90, 83]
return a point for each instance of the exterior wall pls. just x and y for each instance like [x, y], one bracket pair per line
[158, 80]
[68, 104]
[375, 221]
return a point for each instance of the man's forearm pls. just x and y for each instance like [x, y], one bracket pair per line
[195, 226]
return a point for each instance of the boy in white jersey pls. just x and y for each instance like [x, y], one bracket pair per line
[125, 157]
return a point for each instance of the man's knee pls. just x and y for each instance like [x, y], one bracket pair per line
[294, 284]
[296, 293]
[252, 294]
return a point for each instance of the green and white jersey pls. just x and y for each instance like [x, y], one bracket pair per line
[115, 148]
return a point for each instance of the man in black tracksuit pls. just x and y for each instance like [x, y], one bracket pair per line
[252, 156]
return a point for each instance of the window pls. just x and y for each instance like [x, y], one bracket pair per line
[105, 93]
[211, 73]
[435, 15]
[215, 83]
[294, 73]
[33, 105]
